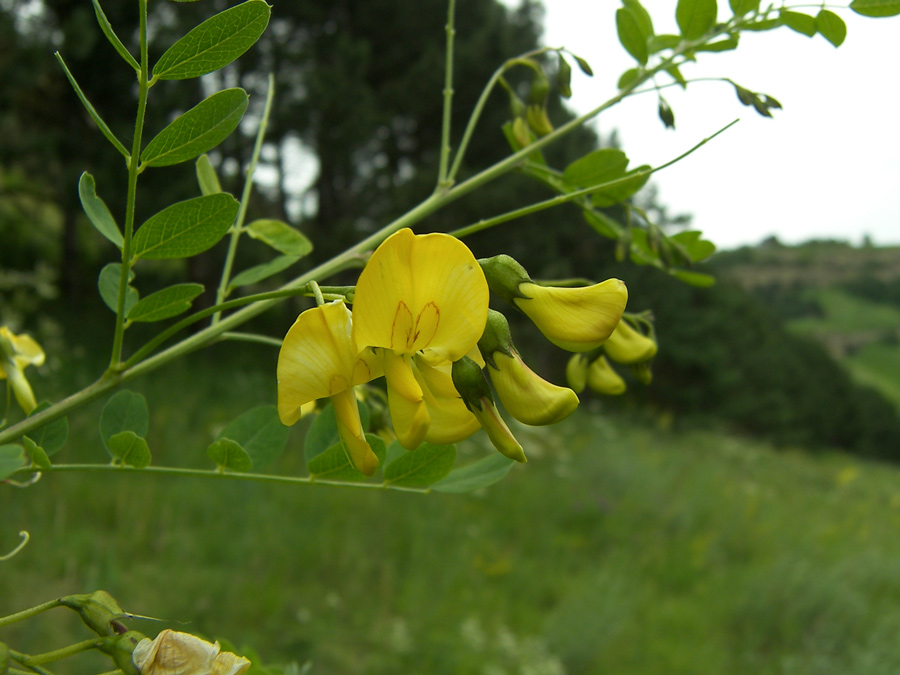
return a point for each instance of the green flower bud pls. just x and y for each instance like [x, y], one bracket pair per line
[521, 133]
[472, 386]
[642, 372]
[564, 79]
[121, 649]
[4, 659]
[540, 88]
[99, 611]
[504, 276]
[538, 120]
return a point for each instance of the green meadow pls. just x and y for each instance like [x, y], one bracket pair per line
[619, 548]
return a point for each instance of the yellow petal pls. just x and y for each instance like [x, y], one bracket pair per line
[351, 432]
[528, 397]
[451, 421]
[228, 663]
[602, 378]
[575, 319]
[174, 653]
[628, 346]
[421, 292]
[497, 431]
[406, 401]
[25, 351]
[318, 359]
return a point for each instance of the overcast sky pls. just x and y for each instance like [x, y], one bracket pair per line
[827, 166]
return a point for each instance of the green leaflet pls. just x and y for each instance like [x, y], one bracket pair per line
[186, 228]
[477, 475]
[421, 467]
[334, 464]
[229, 454]
[214, 43]
[166, 303]
[260, 434]
[198, 130]
[125, 411]
[129, 449]
[108, 285]
[695, 17]
[97, 211]
[280, 236]
[12, 458]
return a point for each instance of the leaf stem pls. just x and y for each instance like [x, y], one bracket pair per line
[56, 654]
[133, 171]
[232, 475]
[28, 613]
[237, 226]
[444, 181]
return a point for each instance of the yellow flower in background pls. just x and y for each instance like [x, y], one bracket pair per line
[628, 346]
[16, 353]
[318, 359]
[175, 653]
[421, 297]
[602, 378]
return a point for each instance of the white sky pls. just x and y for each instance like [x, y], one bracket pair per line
[827, 165]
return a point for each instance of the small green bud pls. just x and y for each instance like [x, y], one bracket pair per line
[540, 88]
[565, 78]
[504, 275]
[496, 337]
[642, 372]
[99, 611]
[538, 120]
[4, 659]
[470, 382]
[121, 648]
[521, 133]
[576, 372]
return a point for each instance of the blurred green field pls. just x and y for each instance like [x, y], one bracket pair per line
[845, 312]
[619, 548]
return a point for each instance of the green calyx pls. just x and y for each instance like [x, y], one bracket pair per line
[504, 276]
[470, 382]
[496, 338]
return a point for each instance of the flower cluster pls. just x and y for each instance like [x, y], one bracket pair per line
[627, 346]
[420, 318]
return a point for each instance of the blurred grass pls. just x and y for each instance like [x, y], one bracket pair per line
[845, 312]
[619, 548]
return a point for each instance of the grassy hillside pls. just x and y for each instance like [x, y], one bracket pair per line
[617, 549]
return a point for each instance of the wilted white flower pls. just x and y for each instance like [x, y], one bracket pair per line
[175, 653]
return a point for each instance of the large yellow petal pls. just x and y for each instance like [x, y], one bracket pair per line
[575, 319]
[318, 359]
[421, 292]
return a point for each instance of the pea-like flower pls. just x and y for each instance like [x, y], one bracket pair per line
[628, 346]
[423, 300]
[577, 319]
[175, 653]
[602, 378]
[16, 353]
[526, 395]
[318, 359]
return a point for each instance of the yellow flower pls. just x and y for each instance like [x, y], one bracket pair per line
[318, 359]
[627, 346]
[525, 394]
[419, 295]
[175, 653]
[603, 379]
[16, 353]
[575, 319]
[576, 372]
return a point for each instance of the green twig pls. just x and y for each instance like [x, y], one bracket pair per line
[237, 226]
[234, 475]
[28, 613]
[251, 337]
[56, 654]
[443, 180]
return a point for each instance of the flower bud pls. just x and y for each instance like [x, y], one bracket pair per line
[472, 386]
[99, 611]
[4, 659]
[526, 396]
[175, 653]
[603, 379]
[576, 372]
[642, 372]
[538, 120]
[627, 346]
[121, 648]
[504, 276]
[521, 133]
